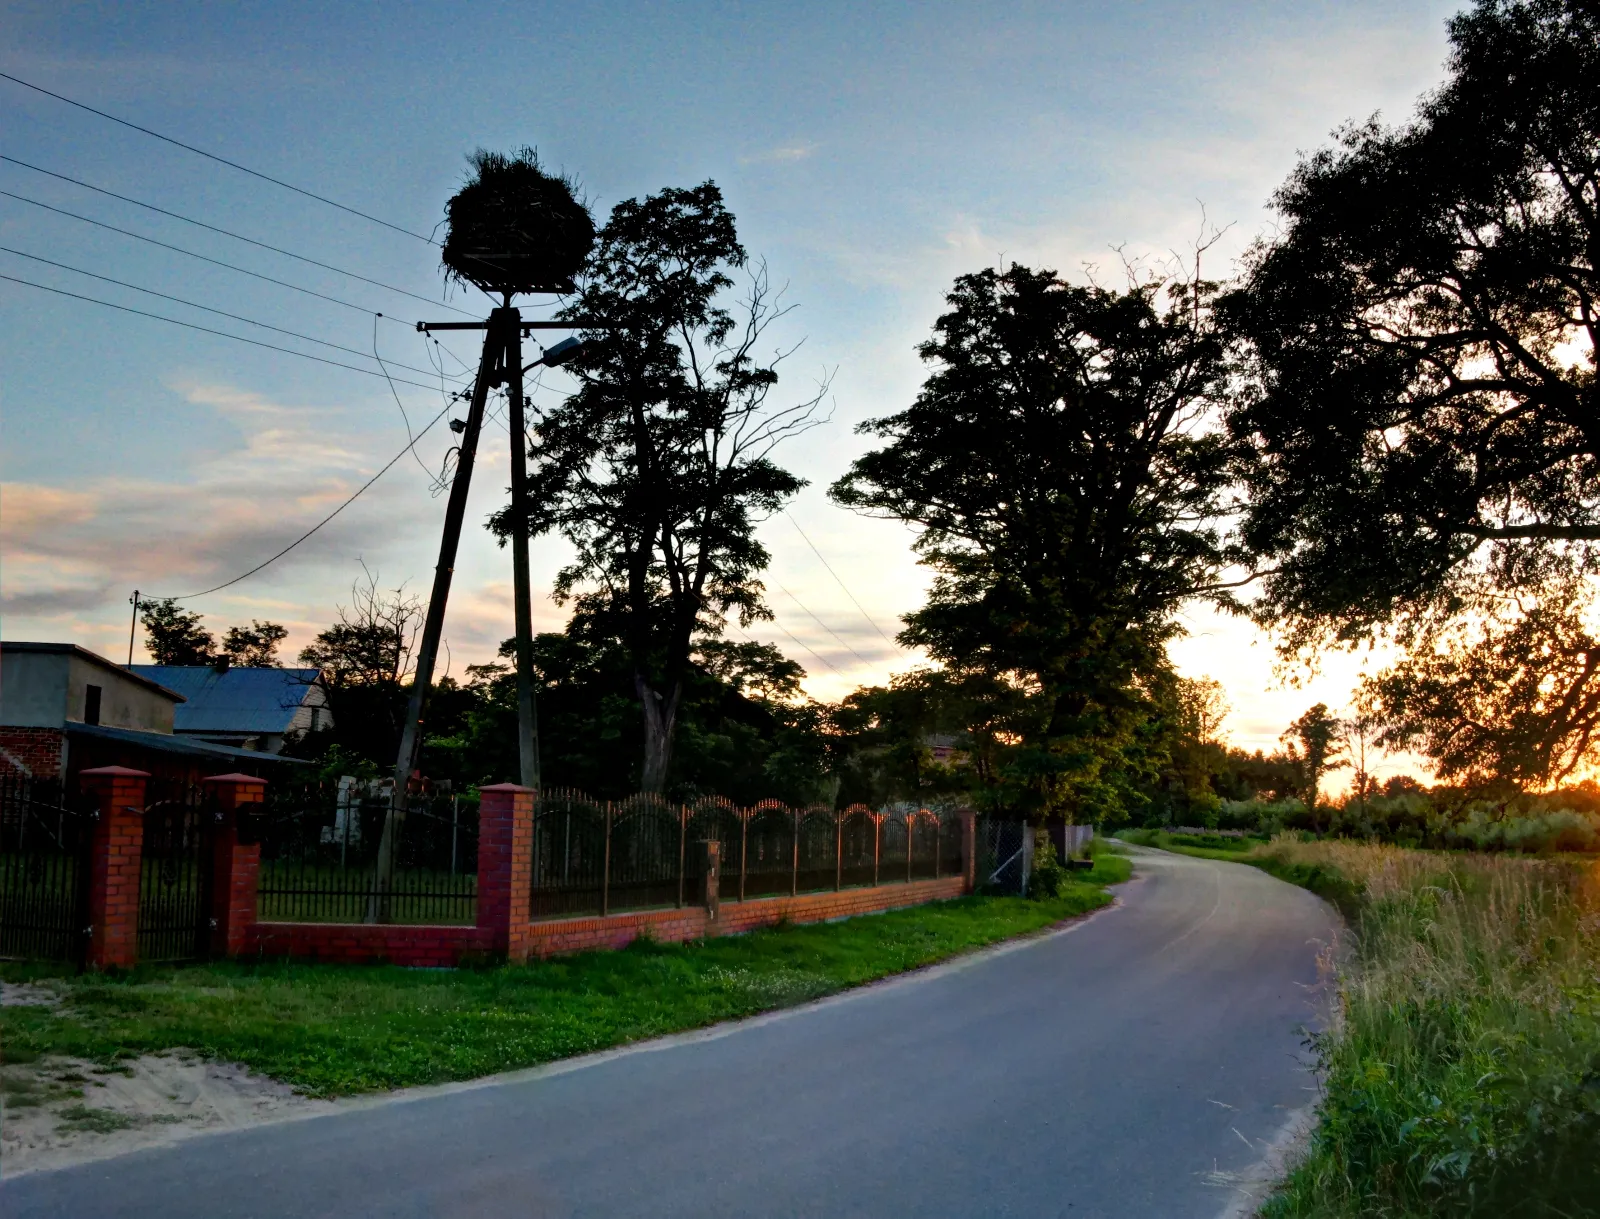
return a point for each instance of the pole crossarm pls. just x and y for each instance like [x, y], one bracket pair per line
[580, 324]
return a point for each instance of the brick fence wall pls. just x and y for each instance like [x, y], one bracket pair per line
[504, 929]
[407, 945]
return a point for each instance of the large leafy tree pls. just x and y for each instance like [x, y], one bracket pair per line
[658, 469]
[1066, 478]
[176, 636]
[1425, 413]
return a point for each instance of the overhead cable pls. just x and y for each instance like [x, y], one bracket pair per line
[178, 249]
[254, 173]
[824, 625]
[249, 321]
[427, 300]
[324, 520]
[237, 338]
[837, 579]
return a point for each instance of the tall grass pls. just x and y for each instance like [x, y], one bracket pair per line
[1464, 1076]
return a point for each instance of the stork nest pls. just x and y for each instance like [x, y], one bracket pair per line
[513, 228]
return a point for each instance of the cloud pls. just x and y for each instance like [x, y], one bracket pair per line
[782, 153]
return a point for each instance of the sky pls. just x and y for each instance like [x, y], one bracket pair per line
[871, 152]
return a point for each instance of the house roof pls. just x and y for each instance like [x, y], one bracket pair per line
[232, 700]
[163, 742]
[147, 679]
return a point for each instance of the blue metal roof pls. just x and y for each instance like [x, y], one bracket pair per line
[247, 701]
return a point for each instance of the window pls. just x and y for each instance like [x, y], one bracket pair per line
[91, 704]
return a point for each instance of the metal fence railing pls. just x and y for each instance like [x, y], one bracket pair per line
[595, 857]
[319, 856]
[44, 870]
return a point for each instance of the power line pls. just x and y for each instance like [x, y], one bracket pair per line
[250, 321]
[178, 249]
[824, 625]
[840, 582]
[819, 657]
[237, 338]
[326, 266]
[322, 522]
[214, 157]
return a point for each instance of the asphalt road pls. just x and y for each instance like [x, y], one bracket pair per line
[1129, 1067]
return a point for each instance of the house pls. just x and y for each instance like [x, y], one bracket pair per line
[65, 709]
[254, 709]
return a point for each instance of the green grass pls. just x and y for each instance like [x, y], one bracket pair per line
[1202, 846]
[1464, 1078]
[337, 1030]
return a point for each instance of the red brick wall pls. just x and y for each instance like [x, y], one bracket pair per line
[402, 945]
[114, 860]
[359, 942]
[31, 751]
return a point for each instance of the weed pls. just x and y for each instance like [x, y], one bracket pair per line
[81, 1118]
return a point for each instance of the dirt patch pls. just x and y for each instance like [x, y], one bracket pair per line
[61, 1111]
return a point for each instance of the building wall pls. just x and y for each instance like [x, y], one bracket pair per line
[124, 703]
[33, 689]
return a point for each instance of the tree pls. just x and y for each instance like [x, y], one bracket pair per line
[659, 467]
[1508, 701]
[174, 635]
[1313, 745]
[1425, 416]
[1065, 478]
[365, 658]
[254, 646]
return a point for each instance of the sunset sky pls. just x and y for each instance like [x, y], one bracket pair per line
[871, 152]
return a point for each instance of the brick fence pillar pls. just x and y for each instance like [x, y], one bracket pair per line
[969, 849]
[114, 855]
[505, 867]
[235, 865]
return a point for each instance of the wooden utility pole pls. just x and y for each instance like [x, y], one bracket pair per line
[522, 593]
[489, 368]
[501, 364]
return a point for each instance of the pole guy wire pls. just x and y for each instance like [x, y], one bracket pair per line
[428, 300]
[254, 173]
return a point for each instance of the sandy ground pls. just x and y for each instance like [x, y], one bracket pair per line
[61, 1111]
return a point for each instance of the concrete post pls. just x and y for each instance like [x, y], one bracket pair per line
[713, 883]
[505, 867]
[235, 865]
[114, 856]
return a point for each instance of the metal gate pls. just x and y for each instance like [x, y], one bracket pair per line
[44, 871]
[1005, 856]
[175, 874]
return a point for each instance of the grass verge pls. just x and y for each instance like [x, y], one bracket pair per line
[335, 1030]
[1465, 1079]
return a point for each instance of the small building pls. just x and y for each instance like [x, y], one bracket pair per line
[65, 709]
[256, 709]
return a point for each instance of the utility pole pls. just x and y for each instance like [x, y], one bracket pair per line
[433, 625]
[522, 593]
[134, 625]
[501, 364]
